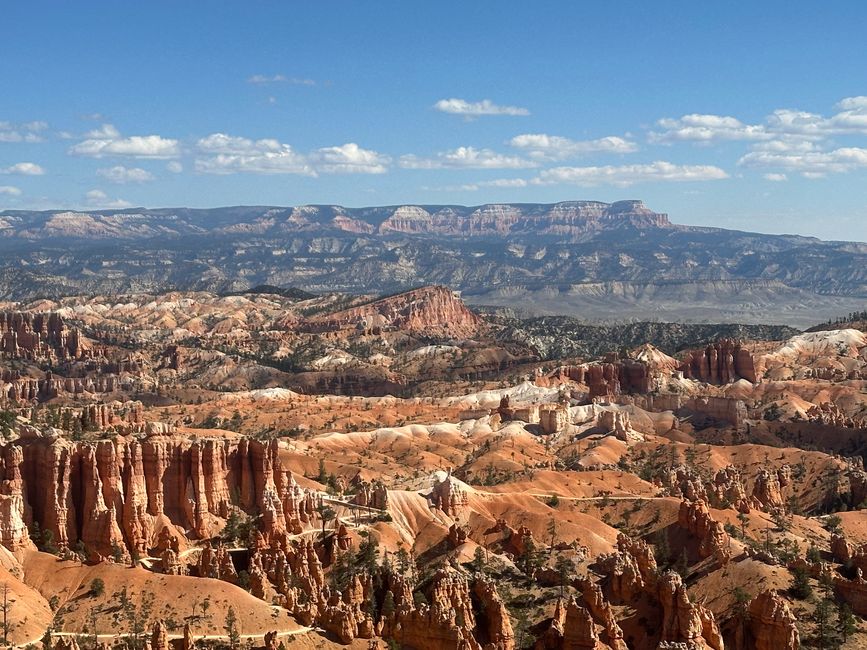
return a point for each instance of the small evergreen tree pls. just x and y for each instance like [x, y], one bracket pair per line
[97, 587]
[847, 624]
[231, 628]
[801, 588]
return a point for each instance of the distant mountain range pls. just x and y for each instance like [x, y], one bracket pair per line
[593, 260]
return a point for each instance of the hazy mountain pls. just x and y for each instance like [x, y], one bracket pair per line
[594, 260]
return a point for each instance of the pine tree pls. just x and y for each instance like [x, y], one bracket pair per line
[822, 619]
[231, 628]
[801, 588]
[847, 624]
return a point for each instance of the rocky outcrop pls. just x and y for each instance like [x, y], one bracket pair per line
[617, 423]
[497, 630]
[39, 336]
[631, 569]
[372, 494]
[447, 494]
[571, 627]
[110, 495]
[695, 517]
[772, 624]
[720, 363]
[432, 311]
[159, 639]
[684, 621]
[768, 488]
[727, 490]
[602, 612]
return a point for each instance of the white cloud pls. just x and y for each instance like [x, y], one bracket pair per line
[505, 182]
[457, 106]
[99, 199]
[812, 163]
[629, 174]
[261, 79]
[9, 190]
[120, 174]
[23, 169]
[174, 167]
[777, 178]
[555, 147]
[107, 141]
[782, 124]
[227, 154]
[698, 127]
[466, 157]
[349, 159]
[25, 132]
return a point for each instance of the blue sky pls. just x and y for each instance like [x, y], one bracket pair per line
[731, 114]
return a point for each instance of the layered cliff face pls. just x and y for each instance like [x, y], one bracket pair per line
[695, 517]
[565, 257]
[118, 495]
[772, 623]
[28, 335]
[433, 311]
[720, 363]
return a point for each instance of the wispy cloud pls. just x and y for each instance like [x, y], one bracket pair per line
[463, 107]
[554, 147]
[698, 127]
[624, 175]
[227, 154]
[812, 164]
[23, 132]
[9, 190]
[23, 169]
[99, 199]
[499, 183]
[122, 175]
[468, 158]
[261, 79]
[349, 159]
[107, 141]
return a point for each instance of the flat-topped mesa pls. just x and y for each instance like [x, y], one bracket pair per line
[35, 336]
[431, 310]
[502, 219]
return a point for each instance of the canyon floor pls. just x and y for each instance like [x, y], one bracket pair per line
[193, 469]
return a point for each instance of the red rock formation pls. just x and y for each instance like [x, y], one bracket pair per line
[571, 627]
[695, 517]
[159, 637]
[39, 336]
[768, 489]
[772, 623]
[602, 613]
[631, 569]
[497, 626]
[720, 363]
[110, 494]
[457, 535]
[447, 494]
[370, 493]
[684, 621]
[432, 310]
[728, 490]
